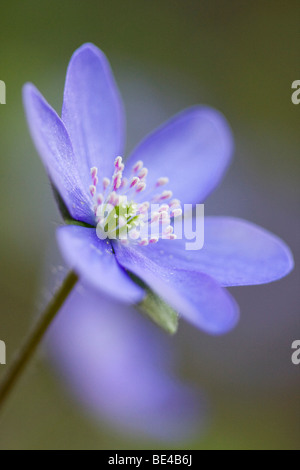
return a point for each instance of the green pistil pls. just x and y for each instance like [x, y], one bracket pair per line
[127, 213]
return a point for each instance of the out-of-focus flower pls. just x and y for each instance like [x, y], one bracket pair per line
[118, 366]
[188, 154]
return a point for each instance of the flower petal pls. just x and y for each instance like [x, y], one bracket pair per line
[93, 260]
[93, 112]
[194, 295]
[115, 363]
[53, 144]
[235, 253]
[193, 150]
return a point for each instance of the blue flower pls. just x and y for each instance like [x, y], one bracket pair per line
[188, 156]
[113, 360]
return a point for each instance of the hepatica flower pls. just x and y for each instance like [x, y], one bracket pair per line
[106, 202]
[179, 163]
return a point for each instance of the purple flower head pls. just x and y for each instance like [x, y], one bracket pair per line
[179, 163]
[114, 361]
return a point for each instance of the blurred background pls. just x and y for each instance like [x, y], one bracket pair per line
[240, 57]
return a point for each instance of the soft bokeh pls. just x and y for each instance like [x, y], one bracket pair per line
[239, 57]
[119, 368]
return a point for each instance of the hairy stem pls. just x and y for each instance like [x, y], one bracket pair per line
[33, 340]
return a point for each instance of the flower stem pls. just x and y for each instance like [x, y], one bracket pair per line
[33, 340]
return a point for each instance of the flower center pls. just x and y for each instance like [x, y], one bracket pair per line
[131, 211]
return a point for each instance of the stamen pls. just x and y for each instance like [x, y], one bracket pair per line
[144, 207]
[176, 213]
[163, 208]
[174, 203]
[92, 189]
[138, 166]
[168, 230]
[117, 180]
[119, 216]
[112, 198]
[94, 172]
[119, 164]
[143, 173]
[134, 181]
[155, 217]
[164, 215]
[162, 181]
[100, 199]
[105, 183]
[124, 182]
[140, 187]
[144, 242]
[165, 195]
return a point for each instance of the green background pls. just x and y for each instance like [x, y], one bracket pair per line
[240, 57]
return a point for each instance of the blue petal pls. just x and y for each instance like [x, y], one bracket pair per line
[194, 295]
[193, 150]
[53, 144]
[93, 260]
[235, 253]
[93, 112]
[116, 364]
